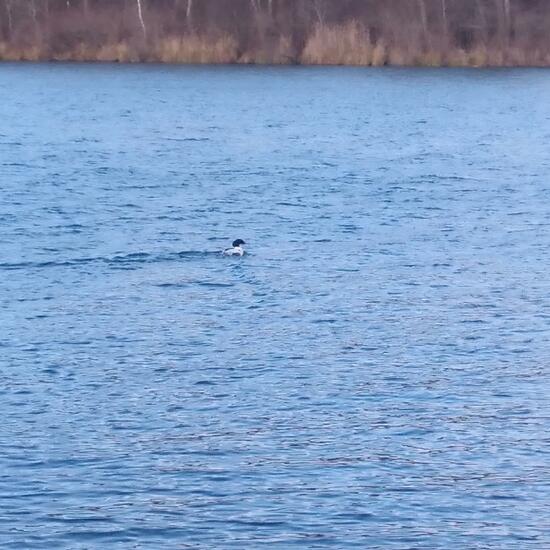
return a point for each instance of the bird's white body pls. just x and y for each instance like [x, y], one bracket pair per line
[234, 251]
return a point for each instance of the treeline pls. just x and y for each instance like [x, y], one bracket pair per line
[350, 32]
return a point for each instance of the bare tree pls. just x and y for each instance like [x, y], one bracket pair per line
[444, 17]
[507, 18]
[506, 6]
[423, 16]
[189, 13]
[482, 16]
[32, 7]
[140, 15]
[319, 8]
[10, 18]
[504, 19]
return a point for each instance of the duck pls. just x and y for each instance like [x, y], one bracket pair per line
[236, 249]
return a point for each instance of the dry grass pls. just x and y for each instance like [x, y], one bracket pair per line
[347, 44]
[196, 49]
[487, 55]
[30, 53]
[351, 45]
[278, 52]
[120, 52]
[190, 50]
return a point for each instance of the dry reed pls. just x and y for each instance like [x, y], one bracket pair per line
[196, 49]
[347, 44]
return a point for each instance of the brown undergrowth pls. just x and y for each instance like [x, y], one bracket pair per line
[457, 33]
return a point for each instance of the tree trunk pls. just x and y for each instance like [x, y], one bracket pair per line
[507, 19]
[482, 17]
[32, 7]
[444, 18]
[503, 19]
[506, 8]
[189, 13]
[10, 20]
[423, 17]
[142, 22]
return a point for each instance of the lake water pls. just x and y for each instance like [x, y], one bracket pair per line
[373, 374]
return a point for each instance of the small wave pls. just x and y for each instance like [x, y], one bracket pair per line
[195, 254]
[133, 257]
[297, 205]
[17, 165]
[172, 285]
[85, 140]
[187, 139]
[209, 284]
[40, 265]
[118, 261]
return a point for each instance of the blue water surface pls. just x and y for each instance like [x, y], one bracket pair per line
[373, 374]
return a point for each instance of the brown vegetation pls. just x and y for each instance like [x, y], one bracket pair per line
[334, 32]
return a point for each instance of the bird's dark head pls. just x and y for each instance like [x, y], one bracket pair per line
[238, 242]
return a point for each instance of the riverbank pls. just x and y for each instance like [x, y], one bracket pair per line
[464, 33]
[347, 44]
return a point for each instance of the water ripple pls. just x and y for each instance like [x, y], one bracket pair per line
[372, 374]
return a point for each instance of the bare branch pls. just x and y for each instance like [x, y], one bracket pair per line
[319, 12]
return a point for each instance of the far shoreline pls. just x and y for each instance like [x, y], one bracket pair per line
[379, 33]
[153, 62]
